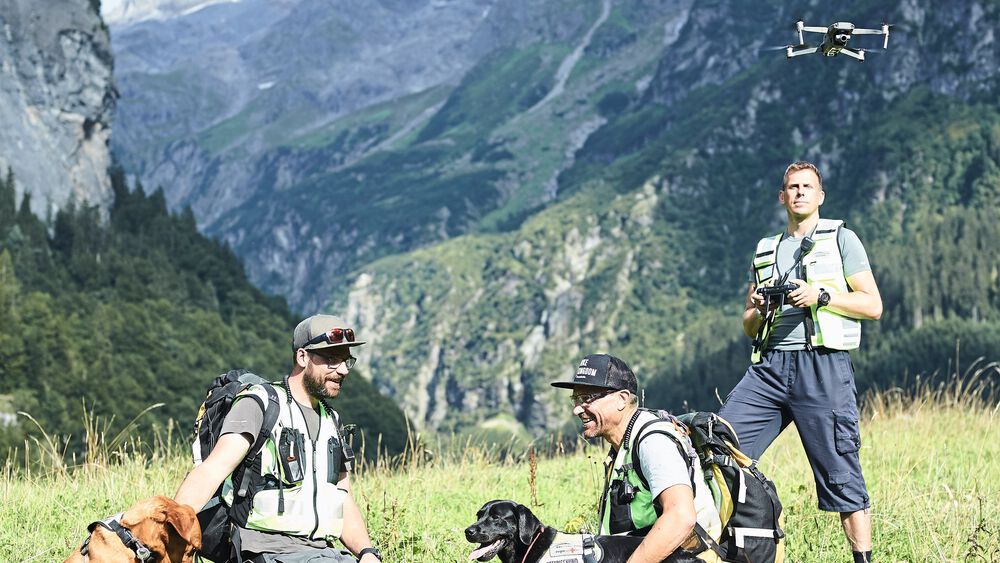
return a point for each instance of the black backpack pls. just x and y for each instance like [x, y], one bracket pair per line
[747, 501]
[219, 537]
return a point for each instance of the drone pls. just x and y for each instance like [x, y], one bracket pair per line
[835, 40]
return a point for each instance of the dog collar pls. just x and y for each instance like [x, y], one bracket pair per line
[114, 524]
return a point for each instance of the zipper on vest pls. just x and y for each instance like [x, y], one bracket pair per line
[319, 432]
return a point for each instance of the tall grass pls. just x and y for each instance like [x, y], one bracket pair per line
[931, 456]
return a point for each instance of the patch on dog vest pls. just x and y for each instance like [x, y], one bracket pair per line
[573, 548]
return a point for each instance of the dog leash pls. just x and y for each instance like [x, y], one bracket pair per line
[113, 523]
[532, 544]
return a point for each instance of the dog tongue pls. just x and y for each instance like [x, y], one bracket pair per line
[490, 550]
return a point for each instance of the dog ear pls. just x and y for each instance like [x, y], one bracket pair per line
[185, 522]
[527, 523]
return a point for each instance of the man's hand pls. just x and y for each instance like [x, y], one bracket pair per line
[757, 300]
[805, 296]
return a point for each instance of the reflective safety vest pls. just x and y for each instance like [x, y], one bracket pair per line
[628, 507]
[295, 485]
[824, 269]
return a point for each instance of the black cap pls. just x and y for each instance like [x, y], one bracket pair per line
[596, 370]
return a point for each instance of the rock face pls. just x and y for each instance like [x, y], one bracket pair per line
[57, 101]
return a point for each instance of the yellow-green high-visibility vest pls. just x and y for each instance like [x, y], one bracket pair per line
[824, 269]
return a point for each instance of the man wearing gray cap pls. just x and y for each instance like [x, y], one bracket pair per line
[653, 486]
[300, 495]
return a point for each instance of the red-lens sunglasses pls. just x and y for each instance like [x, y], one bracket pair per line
[333, 336]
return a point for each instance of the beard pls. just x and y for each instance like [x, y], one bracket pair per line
[315, 385]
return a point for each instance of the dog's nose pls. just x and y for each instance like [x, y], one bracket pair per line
[471, 531]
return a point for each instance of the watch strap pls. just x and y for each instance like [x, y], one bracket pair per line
[374, 551]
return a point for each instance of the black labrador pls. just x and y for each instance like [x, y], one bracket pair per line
[509, 531]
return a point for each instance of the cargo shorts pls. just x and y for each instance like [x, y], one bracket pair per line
[814, 389]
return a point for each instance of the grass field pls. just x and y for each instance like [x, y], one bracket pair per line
[931, 459]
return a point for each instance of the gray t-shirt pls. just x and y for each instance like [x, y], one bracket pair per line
[247, 417]
[788, 331]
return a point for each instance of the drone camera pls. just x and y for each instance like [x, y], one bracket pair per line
[841, 39]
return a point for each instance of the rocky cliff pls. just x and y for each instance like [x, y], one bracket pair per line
[57, 101]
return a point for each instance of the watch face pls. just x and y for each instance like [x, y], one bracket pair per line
[824, 298]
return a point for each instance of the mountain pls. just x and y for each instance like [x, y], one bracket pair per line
[57, 101]
[593, 177]
[252, 130]
[109, 301]
[646, 254]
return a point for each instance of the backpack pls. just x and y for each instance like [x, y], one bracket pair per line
[219, 537]
[747, 501]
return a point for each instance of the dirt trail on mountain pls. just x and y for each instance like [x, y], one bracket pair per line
[566, 68]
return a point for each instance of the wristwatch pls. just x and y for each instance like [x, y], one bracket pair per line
[824, 298]
[373, 550]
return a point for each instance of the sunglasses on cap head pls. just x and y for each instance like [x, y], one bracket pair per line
[332, 336]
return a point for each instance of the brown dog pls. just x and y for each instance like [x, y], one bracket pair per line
[169, 530]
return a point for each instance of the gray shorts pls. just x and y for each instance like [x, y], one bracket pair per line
[815, 390]
[312, 555]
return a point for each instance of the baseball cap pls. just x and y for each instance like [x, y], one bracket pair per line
[595, 371]
[337, 331]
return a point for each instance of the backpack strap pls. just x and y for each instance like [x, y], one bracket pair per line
[680, 449]
[243, 475]
[271, 411]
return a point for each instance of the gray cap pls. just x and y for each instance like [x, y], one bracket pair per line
[595, 371]
[318, 325]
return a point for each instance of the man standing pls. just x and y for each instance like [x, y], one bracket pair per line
[801, 371]
[661, 492]
[301, 496]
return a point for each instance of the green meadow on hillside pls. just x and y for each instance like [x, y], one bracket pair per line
[932, 461]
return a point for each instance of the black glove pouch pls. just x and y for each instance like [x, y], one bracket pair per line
[622, 493]
[291, 448]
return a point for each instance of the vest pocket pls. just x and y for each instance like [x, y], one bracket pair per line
[621, 494]
[291, 448]
[846, 435]
[334, 460]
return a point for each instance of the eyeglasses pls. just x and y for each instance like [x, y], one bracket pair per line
[333, 336]
[335, 361]
[588, 398]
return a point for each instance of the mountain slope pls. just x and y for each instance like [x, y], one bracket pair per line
[648, 256]
[463, 138]
[592, 176]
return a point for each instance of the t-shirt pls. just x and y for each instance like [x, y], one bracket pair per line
[663, 467]
[247, 417]
[788, 331]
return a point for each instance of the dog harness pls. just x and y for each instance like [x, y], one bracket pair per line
[114, 523]
[573, 548]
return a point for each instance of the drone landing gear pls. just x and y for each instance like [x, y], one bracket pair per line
[792, 52]
[853, 53]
